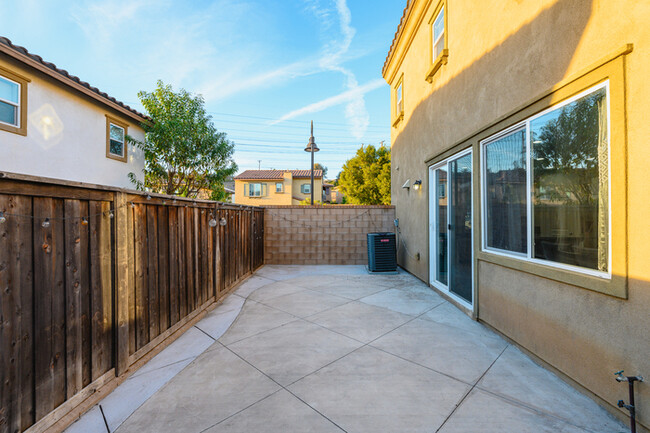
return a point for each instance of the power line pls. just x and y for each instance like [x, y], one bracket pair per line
[297, 143]
[289, 134]
[293, 121]
[295, 127]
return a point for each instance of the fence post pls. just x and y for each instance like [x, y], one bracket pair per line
[122, 286]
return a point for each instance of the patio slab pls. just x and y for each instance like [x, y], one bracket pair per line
[360, 321]
[253, 319]
[306, 303]
[281, 412]
[295, 352]
[217, 385]
[446, 349]
[372, 391]
[413, 302]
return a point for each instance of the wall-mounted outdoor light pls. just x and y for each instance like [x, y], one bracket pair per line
[417, 185]
[407, 184]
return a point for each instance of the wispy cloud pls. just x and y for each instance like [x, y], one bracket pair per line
[351, 97]
[331, 60]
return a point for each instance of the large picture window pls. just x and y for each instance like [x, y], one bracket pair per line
[546, 185]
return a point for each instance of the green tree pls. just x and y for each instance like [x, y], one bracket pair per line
[318, 166]
[184, 153]
[365, 178]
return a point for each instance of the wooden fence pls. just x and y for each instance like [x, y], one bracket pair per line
[92, 279]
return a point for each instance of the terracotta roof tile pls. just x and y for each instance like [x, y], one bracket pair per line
[398, 33]
[276, 174]
[66, 76]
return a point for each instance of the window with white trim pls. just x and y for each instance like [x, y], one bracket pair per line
[279, 187]
[10, 102]
[438, 35]
[305, 188]
[546, 185]
[399, 106]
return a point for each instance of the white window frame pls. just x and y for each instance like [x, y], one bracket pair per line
[399, 98]
[434, 55]
[525, 124]
[279, 187]
[305, 188]
[433, 227]
[18, 105]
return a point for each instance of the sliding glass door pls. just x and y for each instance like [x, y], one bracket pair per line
[450, 227]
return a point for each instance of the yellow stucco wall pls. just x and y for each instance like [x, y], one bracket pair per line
[318, 190]
[541, 51]
[289, 195]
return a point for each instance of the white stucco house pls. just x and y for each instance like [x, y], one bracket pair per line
[54, 125]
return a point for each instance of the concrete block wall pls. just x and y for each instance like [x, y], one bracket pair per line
[322, 235]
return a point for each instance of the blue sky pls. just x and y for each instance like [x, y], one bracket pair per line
[265, 67]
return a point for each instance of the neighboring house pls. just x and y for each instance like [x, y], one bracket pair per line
[229, 186]
[54, 125]
[327, 192]
[277, 187]
[332, 194]
[530, 139]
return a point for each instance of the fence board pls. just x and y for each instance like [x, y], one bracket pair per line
[73, 286]
[163, 267]
[173, 265]
[152, 268]
[49, 308]
[182, 264]
[141, 283]
[130, 233]
[189, 258]
[101, 277]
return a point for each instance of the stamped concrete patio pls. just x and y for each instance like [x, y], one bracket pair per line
[331, 348]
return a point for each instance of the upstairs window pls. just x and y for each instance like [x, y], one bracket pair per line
[279, 187]
[9, 102]
[13, 102]
[438, 29]
[255, 190]
[438, 39]
[116, 139]
[305, 188]
[399, 97]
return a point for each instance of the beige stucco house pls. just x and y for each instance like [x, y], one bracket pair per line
[54, 125]
[277, 187]
[520, 157]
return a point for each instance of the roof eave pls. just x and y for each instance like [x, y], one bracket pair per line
[71, 83]
[398, 36]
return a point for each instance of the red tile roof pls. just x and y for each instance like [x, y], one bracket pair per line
[306, 173]
[21, 54]
[398, 33]
[276, 174]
